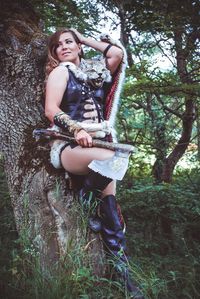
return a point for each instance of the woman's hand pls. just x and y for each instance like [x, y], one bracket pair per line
[79, 35]
[83, 139]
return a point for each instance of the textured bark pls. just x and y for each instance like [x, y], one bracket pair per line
[125, 34]
[159, 137]
[45, 213]
[198, 129]
[188, 116]
[180, 148]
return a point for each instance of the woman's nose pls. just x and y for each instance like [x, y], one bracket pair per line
[64, 46]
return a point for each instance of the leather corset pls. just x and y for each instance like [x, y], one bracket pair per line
[81, 102]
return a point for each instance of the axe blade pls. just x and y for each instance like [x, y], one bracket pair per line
[114, 168]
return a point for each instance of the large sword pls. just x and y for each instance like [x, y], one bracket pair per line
[114, 167]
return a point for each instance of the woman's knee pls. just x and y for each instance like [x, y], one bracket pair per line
[72, 160]
[77, 159]
[110, 189]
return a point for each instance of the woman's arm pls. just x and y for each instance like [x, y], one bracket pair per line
[114, 54]
[55, 88]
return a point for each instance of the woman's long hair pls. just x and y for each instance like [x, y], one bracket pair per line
[52, 60]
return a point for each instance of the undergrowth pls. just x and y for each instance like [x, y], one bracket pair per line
[164, 233]
[163, 229]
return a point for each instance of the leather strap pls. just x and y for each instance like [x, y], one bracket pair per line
[106, 50]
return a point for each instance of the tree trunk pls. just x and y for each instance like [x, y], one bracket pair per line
[198, 129]
[159, 139]
[180, 148]
[125, 33]
[38, 192]
[189, 113]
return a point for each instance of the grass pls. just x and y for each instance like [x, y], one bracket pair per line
[164, 268]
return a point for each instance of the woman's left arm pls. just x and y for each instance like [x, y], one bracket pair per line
[113, 55]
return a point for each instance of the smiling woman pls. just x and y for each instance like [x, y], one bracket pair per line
[76, 102]
[68, 49]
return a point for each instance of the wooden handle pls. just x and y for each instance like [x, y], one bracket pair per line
[46, 133]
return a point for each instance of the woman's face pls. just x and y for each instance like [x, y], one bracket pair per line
[68, 49]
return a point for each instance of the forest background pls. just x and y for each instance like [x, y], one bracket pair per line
[159, 114]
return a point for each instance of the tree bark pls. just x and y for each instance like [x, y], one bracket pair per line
[125, 32]
[159, 138]
[198, 129]
[180, 148]
[188, 116]
[44, 213]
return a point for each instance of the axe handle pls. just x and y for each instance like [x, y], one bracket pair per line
[113, 146]
[39, 133]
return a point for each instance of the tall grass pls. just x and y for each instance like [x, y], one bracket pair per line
[165, 263]
[23, 277]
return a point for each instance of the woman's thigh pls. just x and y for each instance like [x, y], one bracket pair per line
[76, 160]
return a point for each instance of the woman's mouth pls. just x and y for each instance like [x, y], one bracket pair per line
[66, 53]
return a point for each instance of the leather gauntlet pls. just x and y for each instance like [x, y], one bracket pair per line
[65, 122]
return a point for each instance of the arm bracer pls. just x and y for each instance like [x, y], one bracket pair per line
[65, 122]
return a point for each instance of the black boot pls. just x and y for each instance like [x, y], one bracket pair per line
[115, 244]
[89, 195]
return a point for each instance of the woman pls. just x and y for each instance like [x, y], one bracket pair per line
[77, 106]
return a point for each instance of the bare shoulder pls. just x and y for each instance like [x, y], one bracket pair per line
[59, 73]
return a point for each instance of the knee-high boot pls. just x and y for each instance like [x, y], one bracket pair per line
[115, 244]
[89, 195]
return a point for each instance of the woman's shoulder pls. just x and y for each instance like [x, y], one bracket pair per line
[59, 71]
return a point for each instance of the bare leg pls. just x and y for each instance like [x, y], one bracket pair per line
[110, 189]
[76, 161]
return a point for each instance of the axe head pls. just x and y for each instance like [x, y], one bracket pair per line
[114, 168]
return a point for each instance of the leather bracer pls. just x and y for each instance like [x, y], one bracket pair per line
[65, 122]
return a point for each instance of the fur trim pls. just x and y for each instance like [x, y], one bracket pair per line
[113, 98]
[80, 72]
[75, 70]
[97, 65]
[56, 147]
[93, 127]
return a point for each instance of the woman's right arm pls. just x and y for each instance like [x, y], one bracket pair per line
[114, 54]
[55, 88]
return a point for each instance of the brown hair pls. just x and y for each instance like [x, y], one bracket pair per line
[52, 60]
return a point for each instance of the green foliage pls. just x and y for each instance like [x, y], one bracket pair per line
[162, 220]
[162, 80]
[66, 14]
[21, 272]
[163, 224]
[7, 236]
[156, 16]
[163, 227]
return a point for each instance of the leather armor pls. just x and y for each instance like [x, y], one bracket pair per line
[82, 102]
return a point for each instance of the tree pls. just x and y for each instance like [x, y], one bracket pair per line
[67, 14]
[41, 206]
[172, 27]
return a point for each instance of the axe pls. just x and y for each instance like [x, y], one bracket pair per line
[114, 168]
